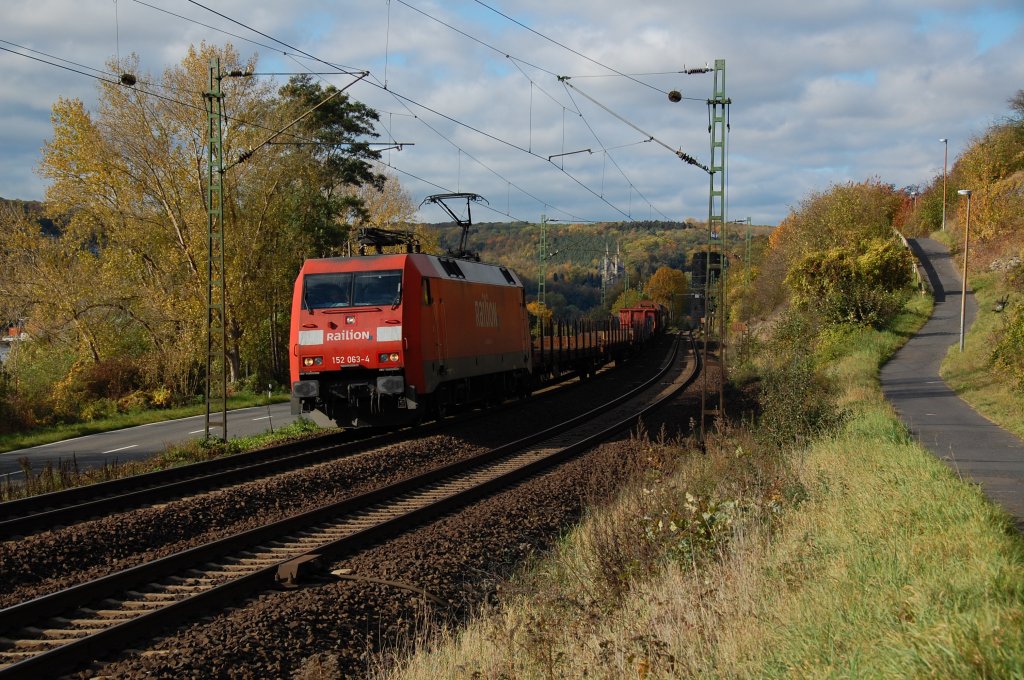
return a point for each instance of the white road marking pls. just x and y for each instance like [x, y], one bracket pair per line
[132, 446]
[263, 418]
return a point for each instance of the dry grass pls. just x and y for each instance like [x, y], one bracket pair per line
[858, 556]
[631, 590]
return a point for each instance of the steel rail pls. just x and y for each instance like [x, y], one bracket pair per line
[25, 516]
[37, 513]
[354, 523]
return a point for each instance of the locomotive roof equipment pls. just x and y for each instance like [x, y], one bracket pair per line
[439, 199]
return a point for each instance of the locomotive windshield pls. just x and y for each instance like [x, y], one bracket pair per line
[377, 288]
[359, 289]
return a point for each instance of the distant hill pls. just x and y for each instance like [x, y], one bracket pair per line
[576, 253]
[34, 209]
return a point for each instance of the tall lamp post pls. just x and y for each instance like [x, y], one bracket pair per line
[963, 289]
[945, 158]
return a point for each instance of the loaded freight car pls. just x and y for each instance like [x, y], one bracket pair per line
[384, 339]
[646, 314]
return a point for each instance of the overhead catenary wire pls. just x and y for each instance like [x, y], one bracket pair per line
[117, 82]
[268, 37]
[386, 88]
[249, 152]
[678, 152]
[51, 56]
[608, 156]
[566, 47]
[114, 79]
[683, 156]
[500, 141]
[117, 35]
[342, 70]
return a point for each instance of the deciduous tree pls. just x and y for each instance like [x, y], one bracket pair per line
[669, 287]
[131, 178]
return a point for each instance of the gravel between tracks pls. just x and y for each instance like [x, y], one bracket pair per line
[42, 563]
[459, 559]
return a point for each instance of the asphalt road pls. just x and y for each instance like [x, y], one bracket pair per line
[973, 446]
[141, 442]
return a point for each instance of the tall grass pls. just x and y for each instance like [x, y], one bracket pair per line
[857, 555]
[970, 373]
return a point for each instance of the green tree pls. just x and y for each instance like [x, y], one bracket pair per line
[336, 159]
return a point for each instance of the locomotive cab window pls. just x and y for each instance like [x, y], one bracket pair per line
[324, 291]
[359, 289]
[377, 288]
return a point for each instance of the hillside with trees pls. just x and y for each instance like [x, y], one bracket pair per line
[577, 253]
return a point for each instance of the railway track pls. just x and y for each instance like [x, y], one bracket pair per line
[25, 516]
[59, 631]
[37, 513]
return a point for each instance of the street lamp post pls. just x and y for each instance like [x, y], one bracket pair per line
[945, 158]
[963, 289]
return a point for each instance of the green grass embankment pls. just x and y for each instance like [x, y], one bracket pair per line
[858, 555]
[971, 374]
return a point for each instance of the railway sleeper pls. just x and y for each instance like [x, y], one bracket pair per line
[173, 590]
[112, 615]
[152, 596]
[104, 623]
[70, 634]
[308, 540]
[80, 623]
[248, 564]
[234, 570]
[136, 607]
[35, 643]
[289, 549]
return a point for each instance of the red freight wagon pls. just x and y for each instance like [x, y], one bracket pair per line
[380, 339]
[645, 314]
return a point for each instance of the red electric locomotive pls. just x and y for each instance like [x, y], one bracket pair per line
[379, 340]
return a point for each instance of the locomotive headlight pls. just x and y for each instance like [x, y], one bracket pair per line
[382, 358]
[394, 356]
[312, 361]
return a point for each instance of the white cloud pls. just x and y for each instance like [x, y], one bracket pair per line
[822, 92]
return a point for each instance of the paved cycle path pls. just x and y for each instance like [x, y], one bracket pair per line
[976, 448]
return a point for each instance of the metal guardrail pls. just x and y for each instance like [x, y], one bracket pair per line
[924, 285]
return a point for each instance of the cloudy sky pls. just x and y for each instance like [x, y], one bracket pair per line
[822, 92]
